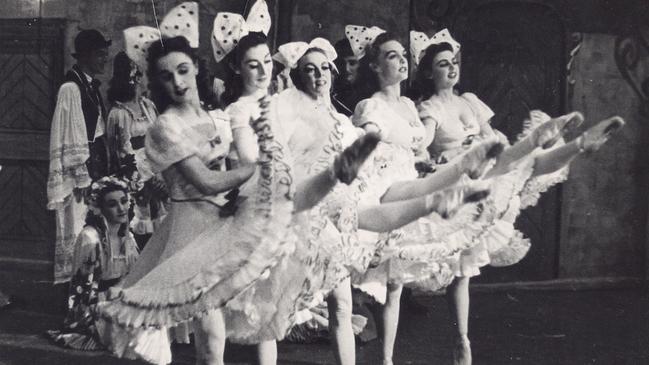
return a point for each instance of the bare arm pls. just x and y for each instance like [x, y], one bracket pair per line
[431, 129]
[210, 182]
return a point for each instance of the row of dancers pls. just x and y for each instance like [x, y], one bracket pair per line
[279, 202]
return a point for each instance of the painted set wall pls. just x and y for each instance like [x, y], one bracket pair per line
[604, 222]
[313, 18]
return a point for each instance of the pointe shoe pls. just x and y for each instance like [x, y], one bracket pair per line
[448, 201]
[349, 162]
[462, 351]
[477, 160]
[548, 133]
[595, 137]
[387, 362]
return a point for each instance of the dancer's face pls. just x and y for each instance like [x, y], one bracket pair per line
[445, 71]
[114, 207]
[351, 68]
[315, 74]
[256, 69]
[391, 65]
[177, 75]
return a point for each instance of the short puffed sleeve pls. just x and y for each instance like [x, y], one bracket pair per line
[371, 111]
[481, 110]
[86, 251]
[431, 110]
[167, 142]
[240, 115]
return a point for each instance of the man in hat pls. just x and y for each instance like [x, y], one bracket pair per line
[77, 150]
[345, 96]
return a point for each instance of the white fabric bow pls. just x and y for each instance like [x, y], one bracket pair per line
[361, 37]
[229, 28]
[290, 53]
[419, 42]
[181, 20]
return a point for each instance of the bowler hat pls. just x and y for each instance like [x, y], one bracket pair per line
[89, 40]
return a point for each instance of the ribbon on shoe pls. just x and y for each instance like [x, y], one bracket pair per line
[229, 28]
[419, 41]
[290, 53]
[361, 37]
[181, 20]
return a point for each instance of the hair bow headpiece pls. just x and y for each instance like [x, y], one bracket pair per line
[361, 37]
[181, 20]
[229, 28]
[290, 53]
[419, 42]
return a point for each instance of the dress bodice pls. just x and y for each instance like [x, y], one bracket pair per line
[94, 249]
[452, 132]
[172, 139]
[405, 131]
[309, 131]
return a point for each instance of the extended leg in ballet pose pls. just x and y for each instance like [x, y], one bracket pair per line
[552, 160]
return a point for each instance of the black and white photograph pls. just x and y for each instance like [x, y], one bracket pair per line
[315, 182]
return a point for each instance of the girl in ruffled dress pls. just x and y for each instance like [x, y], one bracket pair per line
[104, 252]
[316, 134]
[535, 163]
[204, 257]
[412, 253]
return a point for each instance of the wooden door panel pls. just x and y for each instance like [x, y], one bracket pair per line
[31, 69]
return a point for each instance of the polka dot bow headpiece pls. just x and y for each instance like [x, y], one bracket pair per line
[419, 42]
[360, 38]
[229, 28]
[182, 20]
[290, 53]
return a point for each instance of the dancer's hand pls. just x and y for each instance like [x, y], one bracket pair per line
[348, 163]
[593, 138]
[448, 201]
[548, 133]
[477, 160]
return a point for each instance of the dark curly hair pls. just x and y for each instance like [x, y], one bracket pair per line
[424, 87]
[97, 221]
[367, 81]
[233, 81]
[203, 80]
[120, 89]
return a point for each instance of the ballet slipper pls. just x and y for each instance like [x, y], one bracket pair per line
[595, 137]
[348, 163]
[462, 351]
[548, 133]
[448, 201]
[478, 159]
